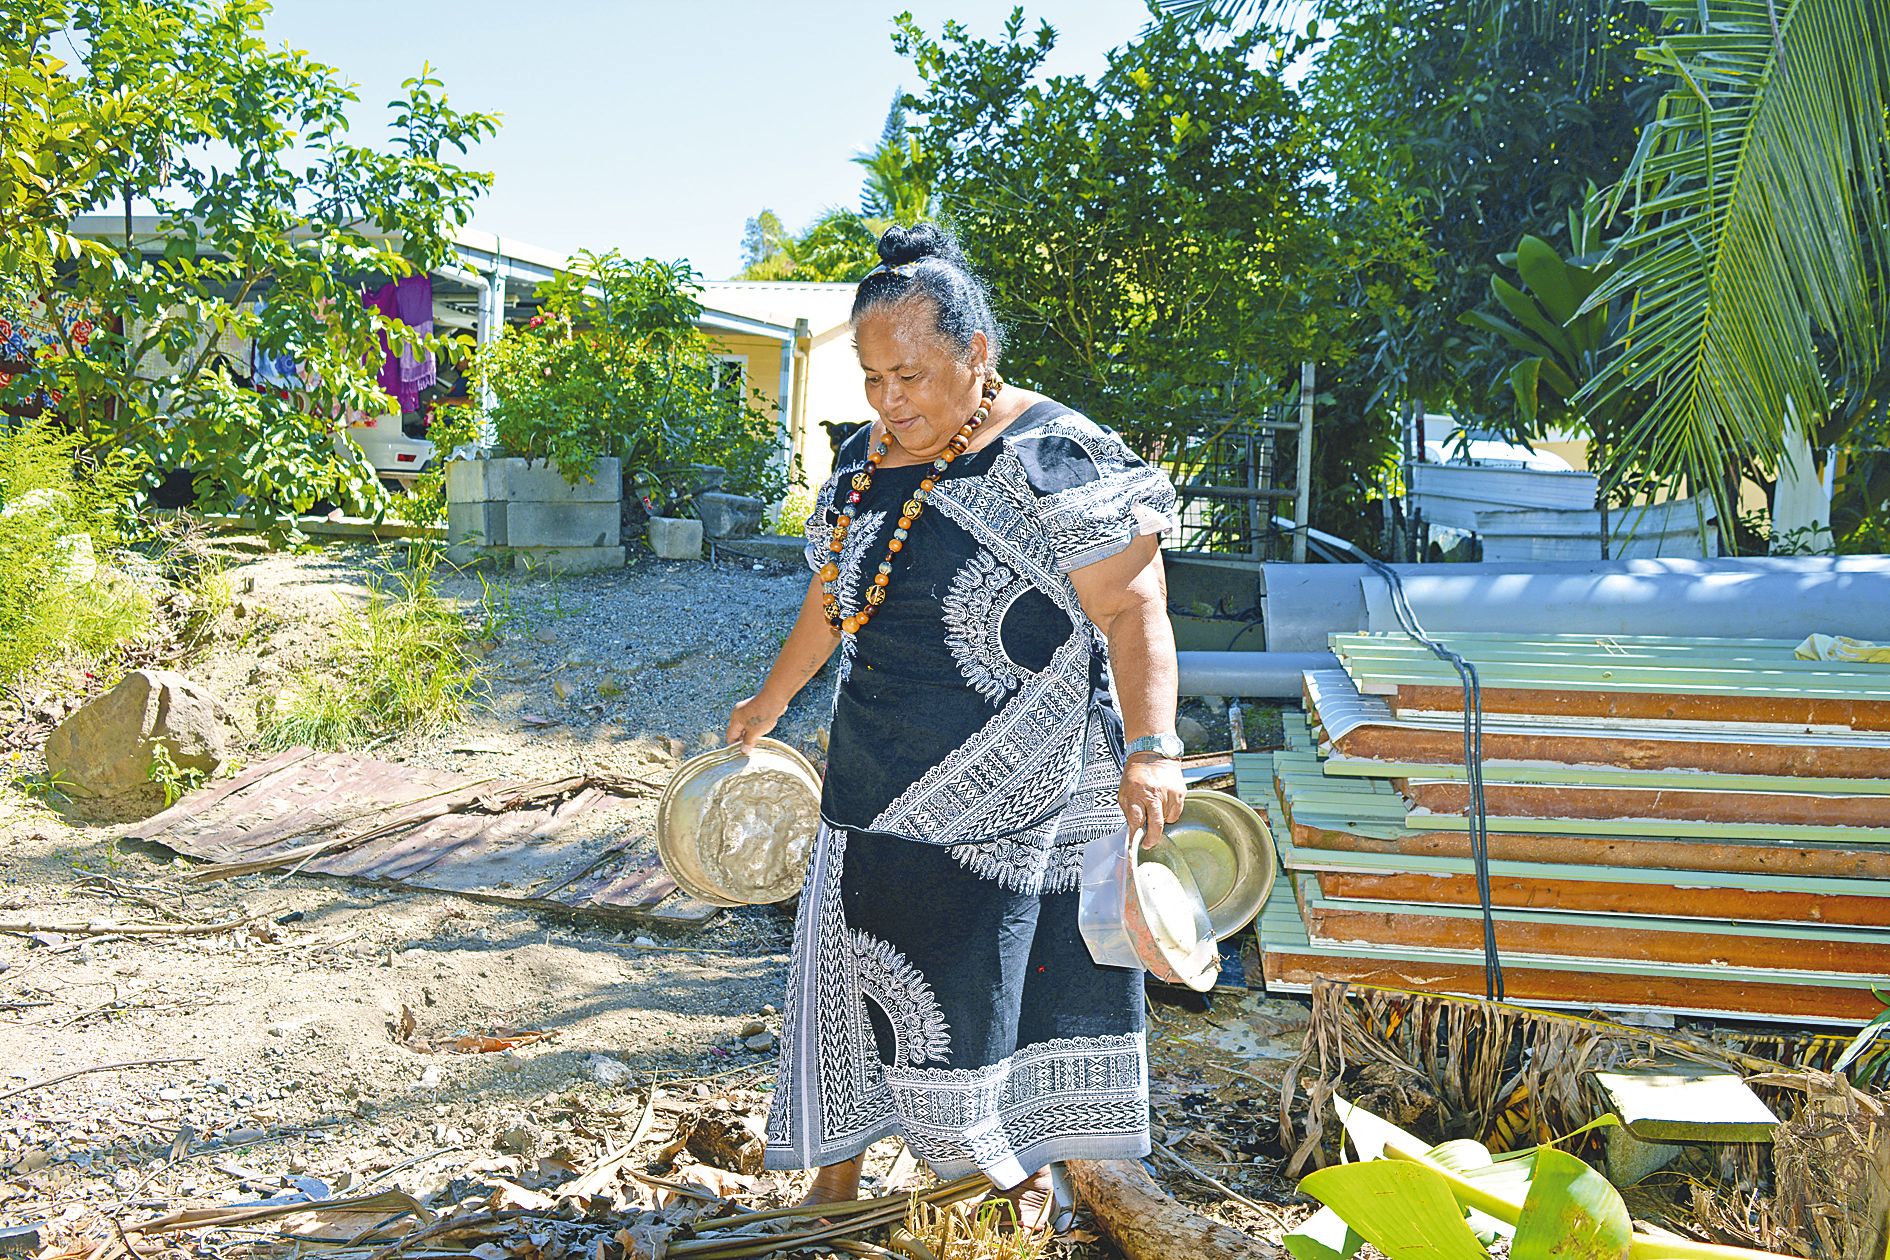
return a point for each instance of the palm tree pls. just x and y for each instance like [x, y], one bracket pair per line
[1758, 237]
[1758, 231]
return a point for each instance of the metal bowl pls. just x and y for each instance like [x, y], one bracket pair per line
[736, 828]
[1229, 849]
[1173, 939]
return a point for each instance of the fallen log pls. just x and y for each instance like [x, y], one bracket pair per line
[1146, 1224]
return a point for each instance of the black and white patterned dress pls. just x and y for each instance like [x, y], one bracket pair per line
[939, 988]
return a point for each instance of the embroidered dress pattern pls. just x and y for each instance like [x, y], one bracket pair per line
[938, 987]
[981, 593]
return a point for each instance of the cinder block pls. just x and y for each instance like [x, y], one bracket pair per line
[563, 524]
[729, 515]
[475, 525]
[541, 482]
[473, 480]
[567, 559]
[674, 538]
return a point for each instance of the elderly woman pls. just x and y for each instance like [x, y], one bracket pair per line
[987, 562]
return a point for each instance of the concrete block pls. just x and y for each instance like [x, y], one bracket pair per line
[474, 525]
[675, 538]
[729, 515]
[567, 559]
[474, 480]
[541, 482]
[540, 524]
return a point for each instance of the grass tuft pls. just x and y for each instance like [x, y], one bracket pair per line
[400, 664]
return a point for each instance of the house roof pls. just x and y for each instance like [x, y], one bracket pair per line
[823, 306]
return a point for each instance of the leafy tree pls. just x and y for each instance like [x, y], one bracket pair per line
[245, 152]
[1564, 339]
[761, 239]
[1166, 240]
[840, 245]
[1758, 236]
[1492, 116]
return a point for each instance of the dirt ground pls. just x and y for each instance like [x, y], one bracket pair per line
[287, 1049]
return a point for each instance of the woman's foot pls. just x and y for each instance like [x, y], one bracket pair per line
[835, 1183]
[1038, 1204]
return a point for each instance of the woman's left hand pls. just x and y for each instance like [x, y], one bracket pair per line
[1151, 795]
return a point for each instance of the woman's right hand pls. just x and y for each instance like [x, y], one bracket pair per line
[753, 718]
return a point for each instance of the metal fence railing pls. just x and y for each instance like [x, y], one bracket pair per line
[1244, 475]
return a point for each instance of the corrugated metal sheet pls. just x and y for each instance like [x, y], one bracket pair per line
[1737, 865]
[552, 845]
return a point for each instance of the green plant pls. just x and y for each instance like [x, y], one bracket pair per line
[790, 517]
[1564, 338]
[1758, 238]
[175, 781]
[1409, 1200]
[400, 663]
[616, 366]
[154, 98]
[58, 522]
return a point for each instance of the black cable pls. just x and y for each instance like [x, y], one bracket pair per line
[1472, 764]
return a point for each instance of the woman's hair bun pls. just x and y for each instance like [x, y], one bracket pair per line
[916, 243]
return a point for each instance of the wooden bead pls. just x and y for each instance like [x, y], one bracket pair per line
[875, 595]
[912, 509]
[829, 571]
[851, 625]
[895, 546]
[880, 579]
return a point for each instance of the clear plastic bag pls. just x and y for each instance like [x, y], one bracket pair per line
[1102, 900]
[1112, 917]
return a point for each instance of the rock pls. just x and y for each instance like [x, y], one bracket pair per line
[760, 1043]
[105, 748]
[1193, 735]
[608, 1072]
[32, 1159]
[729, 1141]
[238, 1137]
[430, 1079]
[729, 515]
[520, 1139]
[751, 1027]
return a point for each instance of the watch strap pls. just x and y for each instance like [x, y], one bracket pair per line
[1167, 744]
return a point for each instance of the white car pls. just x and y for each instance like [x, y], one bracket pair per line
[394, 456]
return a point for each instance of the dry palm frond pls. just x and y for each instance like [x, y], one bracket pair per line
[1452, 1067]
[1831, 1166]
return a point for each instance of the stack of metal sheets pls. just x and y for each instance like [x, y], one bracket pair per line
[1691, 825]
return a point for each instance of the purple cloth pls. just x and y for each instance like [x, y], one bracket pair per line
[413, 301]
[402, 375]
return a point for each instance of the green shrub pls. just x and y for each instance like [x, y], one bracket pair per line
[615, 366]
[58, 523]
[399, 664]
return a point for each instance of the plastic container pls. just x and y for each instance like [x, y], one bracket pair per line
[1140, 908]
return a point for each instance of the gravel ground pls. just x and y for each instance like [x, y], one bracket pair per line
[301, 1037]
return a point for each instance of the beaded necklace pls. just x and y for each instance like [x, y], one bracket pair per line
[876, 593]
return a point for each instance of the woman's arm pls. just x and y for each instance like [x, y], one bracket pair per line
[808, 646]
[1127, 597]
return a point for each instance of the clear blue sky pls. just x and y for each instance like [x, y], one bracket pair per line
[659, 128]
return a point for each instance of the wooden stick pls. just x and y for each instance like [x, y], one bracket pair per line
[128, 929]
[1223, 1187]
[103, 1067]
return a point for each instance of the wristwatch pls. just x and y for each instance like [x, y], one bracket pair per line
[1166, 745]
